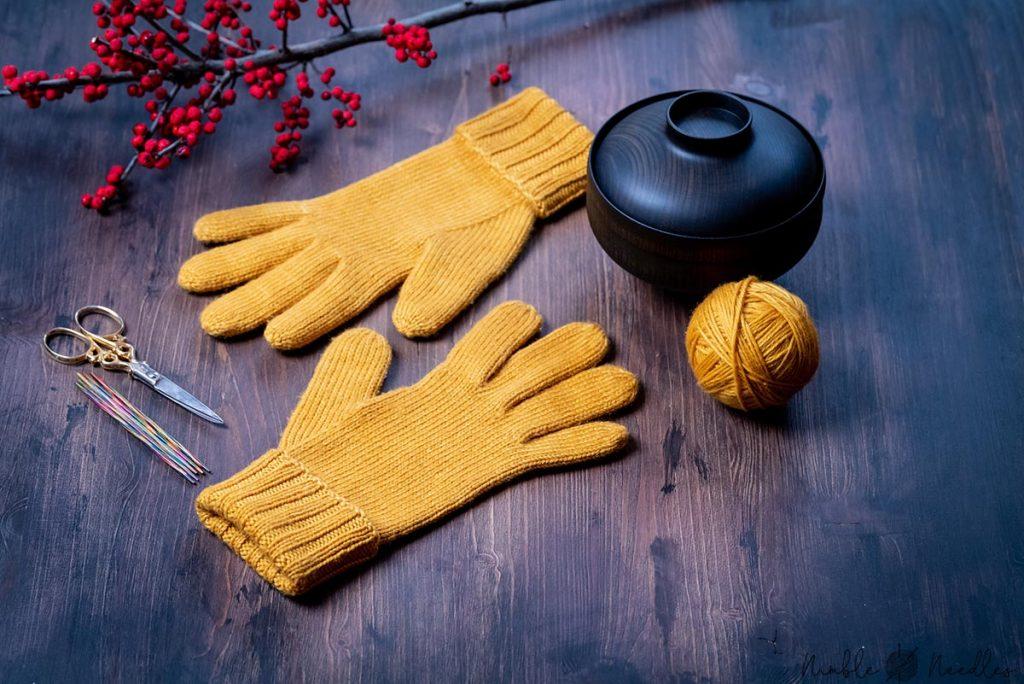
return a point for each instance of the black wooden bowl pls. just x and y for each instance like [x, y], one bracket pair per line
[692, 189]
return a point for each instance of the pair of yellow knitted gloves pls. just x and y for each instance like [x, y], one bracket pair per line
[355, 470]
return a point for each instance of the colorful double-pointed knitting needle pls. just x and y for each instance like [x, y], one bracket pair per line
[90, 390]
[169, 450]
[109, 410]
[126, 420]
[146, 424]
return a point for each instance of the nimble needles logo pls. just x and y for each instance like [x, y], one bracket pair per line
[901, 665]
[904, 664]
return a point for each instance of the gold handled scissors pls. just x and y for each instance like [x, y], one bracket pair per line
[112, 352]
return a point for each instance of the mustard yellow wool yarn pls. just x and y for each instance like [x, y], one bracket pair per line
[752, 344]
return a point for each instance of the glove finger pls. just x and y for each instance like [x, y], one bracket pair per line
[351, 370]
[259, 300]
[584, 396]
[343, 294]
[234, 224]
[551, 359]
[455, 267]
[228, 265]
[573, 445]
[491, 341]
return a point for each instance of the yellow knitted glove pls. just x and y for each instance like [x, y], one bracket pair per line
[447, 222]
[354, 471]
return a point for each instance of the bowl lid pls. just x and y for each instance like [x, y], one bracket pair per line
[706, 164]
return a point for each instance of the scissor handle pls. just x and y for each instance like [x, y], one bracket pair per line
[104, 311]
[69, 359]
[109, 350]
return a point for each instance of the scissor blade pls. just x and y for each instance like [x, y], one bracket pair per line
[146, 374]
[186, 400]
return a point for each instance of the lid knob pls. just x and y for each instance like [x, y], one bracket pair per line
[709, 121]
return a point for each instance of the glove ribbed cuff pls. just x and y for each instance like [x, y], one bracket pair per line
[286, 523]
[535, 144]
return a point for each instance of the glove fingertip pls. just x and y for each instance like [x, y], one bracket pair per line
[590, 339]
[191, 278]
[628, 384]
[604, 437]
[210, 227]
[218, 322]
[283, 338]
[576, 444]
[518, 308]
[361, 343]
[413, 326]
[516, 318]
[616, 435]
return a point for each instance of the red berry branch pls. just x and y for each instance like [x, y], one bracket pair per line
[186, 71]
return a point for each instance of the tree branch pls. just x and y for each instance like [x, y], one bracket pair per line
[304, 52]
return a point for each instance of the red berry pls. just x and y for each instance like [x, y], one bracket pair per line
[501, 74]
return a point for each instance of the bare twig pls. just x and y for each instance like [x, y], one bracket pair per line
[205, 31]
[347, 23]
[171, 39]
[303, 52]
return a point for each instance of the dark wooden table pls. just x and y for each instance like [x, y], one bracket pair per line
[881, 512]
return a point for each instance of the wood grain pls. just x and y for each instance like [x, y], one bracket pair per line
[883, 508]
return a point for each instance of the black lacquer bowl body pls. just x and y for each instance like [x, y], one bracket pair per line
[692, 189]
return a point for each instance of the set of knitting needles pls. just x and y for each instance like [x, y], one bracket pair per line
[167, 449]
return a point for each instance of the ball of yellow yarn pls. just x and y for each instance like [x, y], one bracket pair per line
[752, 344]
